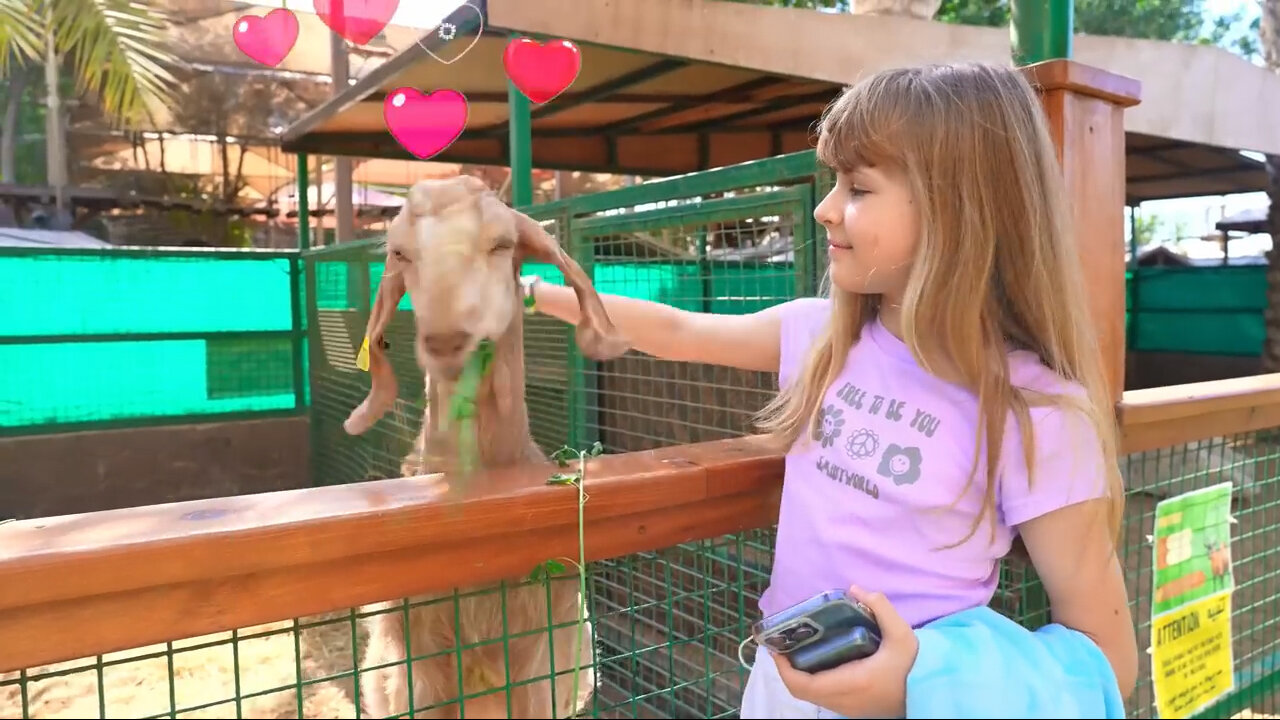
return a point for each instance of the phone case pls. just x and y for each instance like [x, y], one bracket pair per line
[834, 650]
[826, 630]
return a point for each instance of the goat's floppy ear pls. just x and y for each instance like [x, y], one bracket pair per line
[382, 379]
[597, 337]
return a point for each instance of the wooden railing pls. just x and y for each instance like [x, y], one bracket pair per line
[1176, 414]
[81, 585]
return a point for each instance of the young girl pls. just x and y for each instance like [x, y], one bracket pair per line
[943, 397]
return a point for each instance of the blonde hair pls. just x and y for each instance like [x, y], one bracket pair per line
[974, 145]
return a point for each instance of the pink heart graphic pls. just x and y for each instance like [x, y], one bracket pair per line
[358, 21]
[425, 123]
[267, 39]
[541, 72]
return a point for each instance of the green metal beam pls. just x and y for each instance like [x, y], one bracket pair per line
[1041, 30]
[520, 147]
[304, 205]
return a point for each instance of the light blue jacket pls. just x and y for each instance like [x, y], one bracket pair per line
[980, 664]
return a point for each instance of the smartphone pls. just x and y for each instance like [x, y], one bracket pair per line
[823, 632]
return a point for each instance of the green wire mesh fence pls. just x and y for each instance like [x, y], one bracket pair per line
[666, 628]
[117, 337]
[1250, 464]
[145, 336]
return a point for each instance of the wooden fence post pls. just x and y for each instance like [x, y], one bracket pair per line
[1085, 106]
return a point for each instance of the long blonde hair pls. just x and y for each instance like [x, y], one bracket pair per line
[994, 268]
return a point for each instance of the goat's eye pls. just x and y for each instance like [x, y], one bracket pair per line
[502, 247]
[399, 256]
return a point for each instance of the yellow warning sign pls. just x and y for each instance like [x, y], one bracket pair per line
[1191, 663]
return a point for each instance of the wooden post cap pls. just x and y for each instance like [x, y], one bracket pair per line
[1085, 79]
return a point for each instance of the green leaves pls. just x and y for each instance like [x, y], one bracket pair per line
[564, 455]
[1190, 21]
[116, 48]
[988, 13]
[20, 34]
[462, 406]
[547, 570]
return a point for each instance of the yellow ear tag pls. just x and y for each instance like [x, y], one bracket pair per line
[362, 359]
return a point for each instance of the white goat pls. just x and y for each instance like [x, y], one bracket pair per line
[456, 249]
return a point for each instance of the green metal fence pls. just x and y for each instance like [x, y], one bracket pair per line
[118, 337]
[667, 625]
[647, 241]
[138, 336]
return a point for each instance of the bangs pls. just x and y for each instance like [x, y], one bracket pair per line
[864, 127]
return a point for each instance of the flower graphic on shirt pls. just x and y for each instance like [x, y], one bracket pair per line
[862, 444]
[902, 465]
[830, 421]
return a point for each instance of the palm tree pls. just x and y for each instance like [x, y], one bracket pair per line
[117, 51]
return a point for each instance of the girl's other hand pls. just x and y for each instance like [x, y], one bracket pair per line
[873, 687]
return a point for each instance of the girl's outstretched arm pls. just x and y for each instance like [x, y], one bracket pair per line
[748, 342]
[1073, 554]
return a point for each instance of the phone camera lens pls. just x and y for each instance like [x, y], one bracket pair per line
[800, 633]
[778, 643]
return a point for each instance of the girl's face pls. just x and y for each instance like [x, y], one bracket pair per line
[872, 229]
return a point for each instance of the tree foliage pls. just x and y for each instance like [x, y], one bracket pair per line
[116, 48]
[1177, 20]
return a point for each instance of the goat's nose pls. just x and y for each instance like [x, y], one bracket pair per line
[445, 344]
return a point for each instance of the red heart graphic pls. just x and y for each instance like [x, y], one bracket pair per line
[541, 72]
[267, 39]
[359, 21]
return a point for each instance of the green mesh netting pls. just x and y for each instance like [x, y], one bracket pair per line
[101, 336]
[1211, 310]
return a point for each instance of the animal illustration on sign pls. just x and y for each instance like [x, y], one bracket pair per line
[266, 39]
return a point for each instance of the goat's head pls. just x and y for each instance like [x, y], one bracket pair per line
[456, 249]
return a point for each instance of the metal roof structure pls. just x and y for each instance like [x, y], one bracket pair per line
[669, 87]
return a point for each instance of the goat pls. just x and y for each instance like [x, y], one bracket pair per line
[456, 249]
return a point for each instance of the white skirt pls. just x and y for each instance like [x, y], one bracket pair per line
[766, 697]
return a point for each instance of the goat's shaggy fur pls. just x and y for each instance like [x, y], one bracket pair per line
[456, 250]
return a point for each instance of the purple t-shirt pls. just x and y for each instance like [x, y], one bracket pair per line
[870, 498]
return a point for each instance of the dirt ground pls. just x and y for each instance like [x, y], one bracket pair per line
[205, 678]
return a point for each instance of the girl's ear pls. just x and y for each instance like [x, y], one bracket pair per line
[596, 335]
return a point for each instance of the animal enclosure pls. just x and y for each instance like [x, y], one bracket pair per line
[668, 618]
[730, 240]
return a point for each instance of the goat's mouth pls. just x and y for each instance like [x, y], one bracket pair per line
[444, 360]
[445, 369]
[448, 371]
[449, 356]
